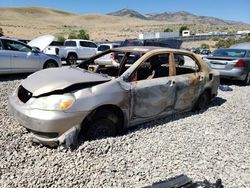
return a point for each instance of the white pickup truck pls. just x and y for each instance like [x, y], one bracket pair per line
[77, 49]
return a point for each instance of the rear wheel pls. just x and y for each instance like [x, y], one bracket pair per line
[203, 101]
[50, 64]
[71, 59]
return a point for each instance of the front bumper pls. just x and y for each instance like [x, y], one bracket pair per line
[48, 127]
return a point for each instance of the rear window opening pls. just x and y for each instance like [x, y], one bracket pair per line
[185, 64]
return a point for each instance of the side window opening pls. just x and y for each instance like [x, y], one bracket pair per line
[16, 46]
[185, 64]
[156, 66]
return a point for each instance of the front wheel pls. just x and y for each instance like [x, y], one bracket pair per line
[50, 64]
[104, 123]
[101, 128]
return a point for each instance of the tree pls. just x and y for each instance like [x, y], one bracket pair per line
[182, 28]
[168, 30]
[1, 32]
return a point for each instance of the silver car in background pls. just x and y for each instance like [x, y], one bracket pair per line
[18, 57]
[231, 63]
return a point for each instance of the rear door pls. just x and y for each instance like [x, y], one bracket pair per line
[87, 49]
[189, 81]
[5, 64]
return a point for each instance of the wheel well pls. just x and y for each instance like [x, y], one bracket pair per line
[115, 109]
[209, 91]
[72, 53]
[50, 60]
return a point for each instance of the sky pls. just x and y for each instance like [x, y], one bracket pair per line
[236, 10]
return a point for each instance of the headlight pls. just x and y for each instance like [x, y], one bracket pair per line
[52, 102]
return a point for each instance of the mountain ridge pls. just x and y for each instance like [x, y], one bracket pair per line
[179, 16]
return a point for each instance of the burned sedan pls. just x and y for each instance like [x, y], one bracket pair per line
[56, 103]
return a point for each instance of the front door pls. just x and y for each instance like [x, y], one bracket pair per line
[153, 90]
[22, 57]
[5, 64]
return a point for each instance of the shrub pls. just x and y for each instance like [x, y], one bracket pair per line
[81, 34]
[168, 30]
[60, 38]
[204, 46]
[182, 28]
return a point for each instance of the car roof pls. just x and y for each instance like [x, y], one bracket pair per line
[109, 44]
[145, 49]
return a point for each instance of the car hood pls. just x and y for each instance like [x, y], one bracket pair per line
[41, 42]
[55, 79]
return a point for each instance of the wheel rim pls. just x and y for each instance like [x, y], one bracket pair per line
[50, 65]
[101, 129]
[72, 60]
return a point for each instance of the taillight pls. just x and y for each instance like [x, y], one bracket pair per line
[112, 55]
[240, 63]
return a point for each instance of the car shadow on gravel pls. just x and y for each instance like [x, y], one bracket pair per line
[224, 81]
[12, 77]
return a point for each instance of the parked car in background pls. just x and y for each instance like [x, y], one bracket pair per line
[243, 45]
[18, 57]
[231, 63]
[205, 52]
[195, 50]
[108, 59]
[56, 103]
[167, 43]
[77, 49]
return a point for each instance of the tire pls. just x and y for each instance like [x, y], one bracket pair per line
[246, 82]
[50, 64]
[202, 102]
[71, 59]
[103, 124]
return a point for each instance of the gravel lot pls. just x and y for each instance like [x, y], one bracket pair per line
[209, 145]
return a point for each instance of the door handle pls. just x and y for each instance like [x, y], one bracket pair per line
[172, 82]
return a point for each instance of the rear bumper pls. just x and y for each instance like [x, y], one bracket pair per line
[238, 74]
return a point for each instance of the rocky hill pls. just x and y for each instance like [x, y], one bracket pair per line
[175, 17]
[30, 22]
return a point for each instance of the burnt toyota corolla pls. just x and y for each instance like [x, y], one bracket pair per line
[150, 83]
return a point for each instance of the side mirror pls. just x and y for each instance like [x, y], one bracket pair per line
[35, 50]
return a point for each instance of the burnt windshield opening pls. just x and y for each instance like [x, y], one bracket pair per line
[111, 62]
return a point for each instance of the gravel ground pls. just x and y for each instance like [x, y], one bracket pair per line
[209, 145]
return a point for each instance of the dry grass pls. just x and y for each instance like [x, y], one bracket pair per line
[30, 22]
